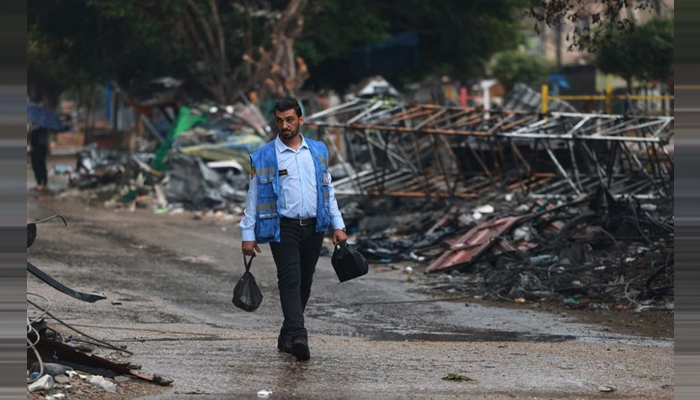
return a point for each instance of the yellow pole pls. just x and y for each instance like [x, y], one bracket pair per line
[545, 99]
[608, 99]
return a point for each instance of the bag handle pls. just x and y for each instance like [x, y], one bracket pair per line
[248, 262]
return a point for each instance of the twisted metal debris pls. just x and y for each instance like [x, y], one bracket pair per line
[425, 150]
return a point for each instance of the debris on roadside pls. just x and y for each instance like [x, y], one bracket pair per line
[598, 251]
[424, 150]
[54, 359]
[505, 204]
[607, 388]
[510, 204]
[458, 378]
[200, 164]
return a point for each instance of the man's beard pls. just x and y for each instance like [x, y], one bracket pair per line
[289, 134]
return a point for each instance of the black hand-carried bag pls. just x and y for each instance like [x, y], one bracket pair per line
[348, 263]
[247, 295]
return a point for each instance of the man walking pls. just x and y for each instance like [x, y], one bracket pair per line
[291, 204]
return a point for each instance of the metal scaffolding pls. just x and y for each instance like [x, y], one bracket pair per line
[426, 150]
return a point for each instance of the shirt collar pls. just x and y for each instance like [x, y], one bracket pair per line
[281, 147]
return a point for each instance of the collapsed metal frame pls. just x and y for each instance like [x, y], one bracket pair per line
[425, 150]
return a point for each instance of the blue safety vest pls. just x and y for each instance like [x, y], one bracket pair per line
[266, 170]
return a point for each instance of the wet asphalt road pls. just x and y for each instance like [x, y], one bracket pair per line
[169, 280]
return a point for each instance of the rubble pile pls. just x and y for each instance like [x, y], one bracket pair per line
[594, 252]
[509, 204]
[60, 363]
[568, 207]
[201, 165]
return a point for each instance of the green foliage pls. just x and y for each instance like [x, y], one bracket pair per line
[456, 37]
[98, 40]
[459, 37]
[512, 67]
[606, 18]
[133, 41]
[644, 53]
[334, 27]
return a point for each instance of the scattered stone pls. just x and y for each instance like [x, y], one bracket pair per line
[44, 383]
[607, 388]
[458, 378]
[162, 381]
[100, 381]
[84, 348]
[131, 365]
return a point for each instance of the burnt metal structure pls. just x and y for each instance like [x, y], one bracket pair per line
[424, 150]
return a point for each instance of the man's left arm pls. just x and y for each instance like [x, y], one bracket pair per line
[339, 235]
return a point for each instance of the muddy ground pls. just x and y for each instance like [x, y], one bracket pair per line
[169, 278]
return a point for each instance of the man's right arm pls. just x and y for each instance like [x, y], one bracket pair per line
[247, 224]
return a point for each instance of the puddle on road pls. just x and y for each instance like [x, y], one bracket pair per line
[384, 328]
[470, 336]
[387, 326]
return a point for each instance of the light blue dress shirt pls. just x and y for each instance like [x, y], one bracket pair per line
[298, 194]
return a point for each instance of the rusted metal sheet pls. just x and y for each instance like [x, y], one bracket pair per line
[470, 246]
[50, 349]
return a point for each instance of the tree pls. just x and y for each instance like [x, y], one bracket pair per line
[512, 67]
[227, 47]
[644, 53]
[333, 29]
[606, 18]
[659, 35]
[77, 43]
[249, 46]
[47, 76]
[454, 37]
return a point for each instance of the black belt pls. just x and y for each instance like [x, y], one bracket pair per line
[300, 221]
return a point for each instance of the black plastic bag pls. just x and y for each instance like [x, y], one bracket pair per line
[348, 263]
[247, 295]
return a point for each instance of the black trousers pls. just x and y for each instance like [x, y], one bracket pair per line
[38, 155]
[296, 256]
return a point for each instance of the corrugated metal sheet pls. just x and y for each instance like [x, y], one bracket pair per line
[470, 246]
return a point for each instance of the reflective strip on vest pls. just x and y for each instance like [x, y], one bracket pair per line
[267, 215]
[265, 171]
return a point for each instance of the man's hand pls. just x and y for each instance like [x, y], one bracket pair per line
[249, 248]
[339, 236]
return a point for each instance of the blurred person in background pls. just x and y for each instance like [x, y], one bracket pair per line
[39, 150]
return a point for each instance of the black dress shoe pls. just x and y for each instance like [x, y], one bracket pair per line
[300, 348]
[284, 344]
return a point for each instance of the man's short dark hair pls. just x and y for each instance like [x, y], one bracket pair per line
[287, 103]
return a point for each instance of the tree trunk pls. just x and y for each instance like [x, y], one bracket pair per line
[273, 69]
